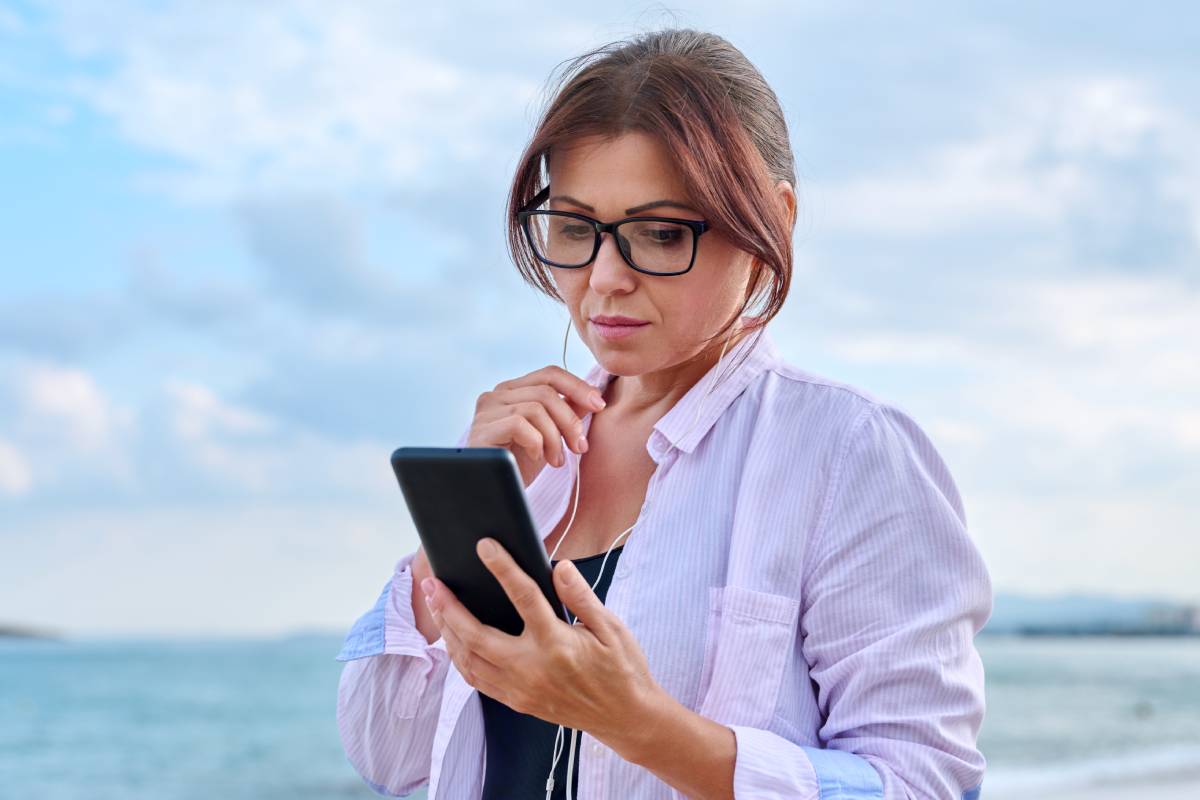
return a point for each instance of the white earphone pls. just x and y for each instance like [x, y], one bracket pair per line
[558, 737]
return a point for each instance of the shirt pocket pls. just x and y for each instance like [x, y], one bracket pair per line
[749, 642]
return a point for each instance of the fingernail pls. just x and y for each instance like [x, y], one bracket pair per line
[597, 400]
[487, 548]
[581, 445]
[427, 586]
[567, 577]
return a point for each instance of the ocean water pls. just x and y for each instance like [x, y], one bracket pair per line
[255, 719]
[1065, 712]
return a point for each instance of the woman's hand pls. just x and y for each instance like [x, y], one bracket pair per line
[591, 676]
[531, 415]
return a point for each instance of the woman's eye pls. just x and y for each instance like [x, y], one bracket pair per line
[574, 231]
[663, 236]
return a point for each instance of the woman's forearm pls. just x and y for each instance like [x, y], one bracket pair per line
[692, 753]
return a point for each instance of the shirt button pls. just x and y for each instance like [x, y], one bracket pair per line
[596, 748]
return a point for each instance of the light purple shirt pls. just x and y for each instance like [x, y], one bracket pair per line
[800, 572]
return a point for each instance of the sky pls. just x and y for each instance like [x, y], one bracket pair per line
[250, 249]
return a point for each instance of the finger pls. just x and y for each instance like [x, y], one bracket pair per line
[450, 614]
[468, 661]
[568, 416]
[555, 416]
[518, 430]
[566, 413]
[485, 676]
[521, 589]
[571, 386]
[574, 590]
[494, 691]
[540, 418]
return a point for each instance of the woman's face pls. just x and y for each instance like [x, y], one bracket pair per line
[602, 179]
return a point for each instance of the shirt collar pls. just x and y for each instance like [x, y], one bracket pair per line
[675, 424]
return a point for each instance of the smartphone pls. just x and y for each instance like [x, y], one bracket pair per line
[457, 496]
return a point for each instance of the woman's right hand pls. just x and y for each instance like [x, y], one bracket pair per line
[532, 414]
[529, 416]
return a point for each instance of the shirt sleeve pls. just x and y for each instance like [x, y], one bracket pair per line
[894, 593]
[390, 690]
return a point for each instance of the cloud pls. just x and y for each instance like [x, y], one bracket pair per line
[16, 477]
[313, 252]
[64, 326]
[312, 249]
[199, 413]
[245, 96]
[150, 299]
[69, 401]
[1100, 163]
[904, 347]
[1145, 324]
[65, 430]
[63, 440]
[156, 295]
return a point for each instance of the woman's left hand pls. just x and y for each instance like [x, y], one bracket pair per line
[591, 676]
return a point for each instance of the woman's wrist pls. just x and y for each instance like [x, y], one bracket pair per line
[691, 752]
[635, 742]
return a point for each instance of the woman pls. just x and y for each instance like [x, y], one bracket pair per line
[792, 610]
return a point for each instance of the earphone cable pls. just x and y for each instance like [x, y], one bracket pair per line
[558, 737]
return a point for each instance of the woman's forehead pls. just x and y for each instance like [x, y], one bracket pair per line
[625, 171]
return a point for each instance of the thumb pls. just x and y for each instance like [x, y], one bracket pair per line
[574, 591]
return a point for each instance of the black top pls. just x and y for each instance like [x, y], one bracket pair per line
[520, 747]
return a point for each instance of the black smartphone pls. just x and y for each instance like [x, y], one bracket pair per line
[459, 495]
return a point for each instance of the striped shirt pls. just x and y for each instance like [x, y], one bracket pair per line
[800, 571]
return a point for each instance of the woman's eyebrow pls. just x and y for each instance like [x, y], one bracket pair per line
[636, 209]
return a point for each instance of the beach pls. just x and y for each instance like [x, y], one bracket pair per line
[1162, 787]
[1180, 789]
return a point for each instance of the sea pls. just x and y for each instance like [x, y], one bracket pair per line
[190, 719]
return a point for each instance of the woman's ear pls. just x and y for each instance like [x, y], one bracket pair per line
[787, 196]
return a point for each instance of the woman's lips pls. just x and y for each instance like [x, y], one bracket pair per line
[616, 331]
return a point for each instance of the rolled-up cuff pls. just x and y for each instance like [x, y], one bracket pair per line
[769, 766]
[389, 627]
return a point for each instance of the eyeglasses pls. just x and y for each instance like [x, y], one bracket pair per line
[652, 245]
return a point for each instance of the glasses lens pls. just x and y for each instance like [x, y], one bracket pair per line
[657, 246]
[566, 241]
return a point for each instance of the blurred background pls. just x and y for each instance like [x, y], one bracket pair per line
[249, 249]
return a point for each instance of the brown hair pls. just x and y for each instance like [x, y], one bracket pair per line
[712, 110]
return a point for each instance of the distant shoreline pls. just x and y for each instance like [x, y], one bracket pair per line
[29, 632]
[1067, 632]
[26, 632]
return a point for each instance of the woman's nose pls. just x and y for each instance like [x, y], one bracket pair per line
[609, 267]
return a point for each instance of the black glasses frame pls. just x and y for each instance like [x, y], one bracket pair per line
[698, 227]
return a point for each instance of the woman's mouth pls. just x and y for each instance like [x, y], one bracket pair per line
[611, 331]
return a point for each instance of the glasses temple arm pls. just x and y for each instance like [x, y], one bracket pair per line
[537, 200]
